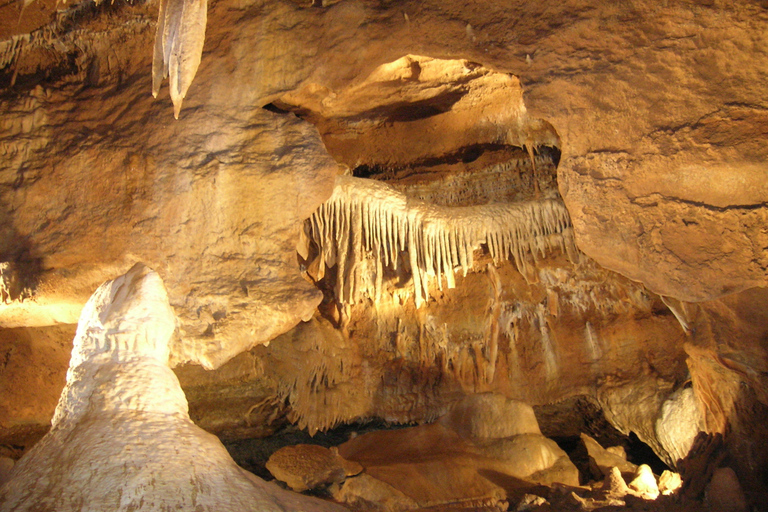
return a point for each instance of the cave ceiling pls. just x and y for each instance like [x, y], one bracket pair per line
[370, 209]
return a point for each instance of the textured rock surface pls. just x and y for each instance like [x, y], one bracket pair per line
[659, 111]
[306, 466]
[606, 460]
[121, 438]
[34, 361]
[491, 416]
[436, 466]
[644, 483]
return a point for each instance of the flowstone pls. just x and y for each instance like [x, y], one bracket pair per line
[121, 438]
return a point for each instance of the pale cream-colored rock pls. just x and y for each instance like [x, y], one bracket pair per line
[308, 466]
[605, 459]
[530, 501]
[644, 483]
[680, 420]
[121, 438]
[614, 484]
[491, 416]
[669, 482]
[724, 492]
[530, 457]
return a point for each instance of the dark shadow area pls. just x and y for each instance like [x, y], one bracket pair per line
[253, 454]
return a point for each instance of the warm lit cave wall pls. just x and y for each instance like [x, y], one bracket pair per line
[660, 114]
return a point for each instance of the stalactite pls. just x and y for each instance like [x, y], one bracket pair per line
[547, 345]
[178, 46]
[364, 215]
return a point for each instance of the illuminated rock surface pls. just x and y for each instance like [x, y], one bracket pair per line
[121, 438]
[644, 122]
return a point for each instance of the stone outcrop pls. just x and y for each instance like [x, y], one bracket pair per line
[121, 438]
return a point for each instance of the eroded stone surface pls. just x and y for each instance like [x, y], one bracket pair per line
[660, 113]
[121, 438]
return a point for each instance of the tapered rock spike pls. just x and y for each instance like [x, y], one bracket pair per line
[179, 41]
[380, 222]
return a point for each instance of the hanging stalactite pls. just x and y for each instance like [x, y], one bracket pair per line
[371, 217]
[178, 46]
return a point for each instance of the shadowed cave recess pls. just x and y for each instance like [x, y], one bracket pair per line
[385, 295]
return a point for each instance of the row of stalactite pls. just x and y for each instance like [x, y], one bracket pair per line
[369, 224]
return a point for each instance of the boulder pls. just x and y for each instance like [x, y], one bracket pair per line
[491, 416]
[365, 492]
[606, 459]
[531, 457]
[669, 482]
[644, 483]
[308, 466]
[614, 485]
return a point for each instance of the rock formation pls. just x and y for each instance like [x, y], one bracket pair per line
[121, 438]
[633, 131]
[464, 460]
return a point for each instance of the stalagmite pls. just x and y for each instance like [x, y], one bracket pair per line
[179, 43]
[121, 438]
[439, 239]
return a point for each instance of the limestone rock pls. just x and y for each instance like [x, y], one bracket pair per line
[365, 492]
[669, 482]
[680, 420]
[644, 483]
[614, 485]
[121, 438]
[430, 464]
[605, 459]
[531, 457]
[530, 501]
[308, 466]
[208, 224]
[724, 492]
[661, 122]
[491, 416]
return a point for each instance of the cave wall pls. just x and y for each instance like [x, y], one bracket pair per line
[660, 114]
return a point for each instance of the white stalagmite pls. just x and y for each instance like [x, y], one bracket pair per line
[365, 215]
[179, 43]
[121, 438]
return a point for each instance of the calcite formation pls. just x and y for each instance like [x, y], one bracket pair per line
[647, 119]
[364, 218]
[121, 438]
[450, 465]
[178, 47]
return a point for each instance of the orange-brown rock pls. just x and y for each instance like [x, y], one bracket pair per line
[308, 466]
[658, 115]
